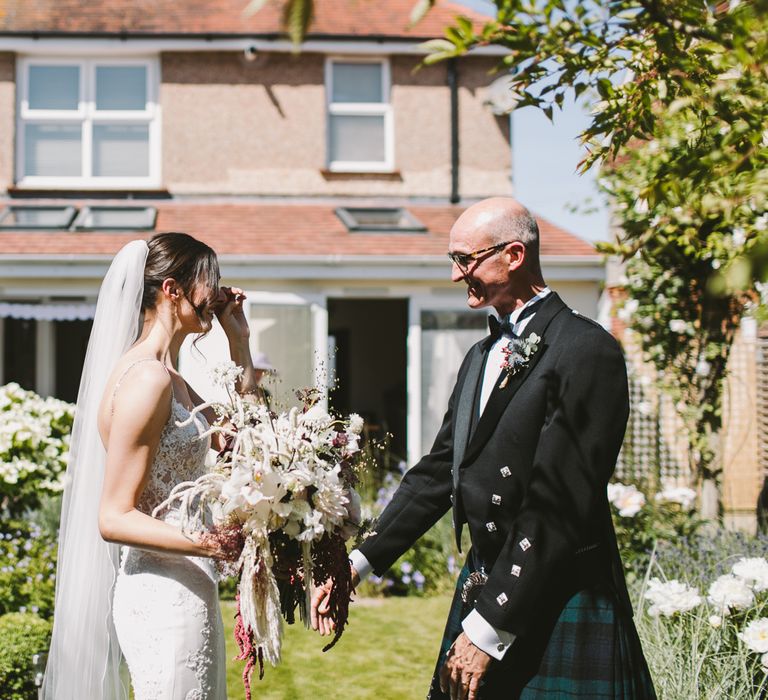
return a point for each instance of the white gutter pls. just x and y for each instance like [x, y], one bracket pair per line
[314, 267]
[142, 45]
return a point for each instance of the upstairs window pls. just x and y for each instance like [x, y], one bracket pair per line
[360, 132]
[88, 123]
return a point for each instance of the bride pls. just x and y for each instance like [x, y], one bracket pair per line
[129, 584]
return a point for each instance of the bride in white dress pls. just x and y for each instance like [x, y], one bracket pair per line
[129, 584]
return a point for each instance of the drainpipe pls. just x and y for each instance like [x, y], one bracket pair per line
[453, 85]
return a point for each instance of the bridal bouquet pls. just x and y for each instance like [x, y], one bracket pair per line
[281, 495]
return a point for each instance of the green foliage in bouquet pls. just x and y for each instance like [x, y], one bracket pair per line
[21, 636]
[27, 569]
[34, 448]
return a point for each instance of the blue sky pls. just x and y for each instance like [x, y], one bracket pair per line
[544, 165]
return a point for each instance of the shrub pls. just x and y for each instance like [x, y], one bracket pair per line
[34, 448]
[21, 636]
[27, 569]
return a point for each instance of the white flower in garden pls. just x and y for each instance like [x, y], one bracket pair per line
[739, 236]
[753, 571]
[628, 310]
[626, 499]
[225, 374]
[670, 597]
[755, 635]
[641, 206]
[356, 423]
[678, 494]
[703, 367]
[677, 325]
[715, 621]
[761, 222]
[729, 592]
[644, 408]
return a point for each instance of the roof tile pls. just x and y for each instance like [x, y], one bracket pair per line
[264, 229]
[385, 18]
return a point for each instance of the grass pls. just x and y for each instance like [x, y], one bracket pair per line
[388, 652]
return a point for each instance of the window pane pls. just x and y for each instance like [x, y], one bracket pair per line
[446, 336]
[357, 82]
[20, 351]
[121, 87]
[357, 138]
[52, 150]
[117, 217]
[284, 333]
[36, 217]
[71, 344]
[120, 150]
[54, 87]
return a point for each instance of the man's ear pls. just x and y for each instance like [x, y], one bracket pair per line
[516, 253]
[171, 289]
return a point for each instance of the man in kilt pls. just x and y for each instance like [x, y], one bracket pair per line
[523, 457]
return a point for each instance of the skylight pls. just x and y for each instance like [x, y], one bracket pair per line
[380, 220]
[106, 218]
[50, 218]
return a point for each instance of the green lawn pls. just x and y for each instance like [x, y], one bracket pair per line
[388, 652]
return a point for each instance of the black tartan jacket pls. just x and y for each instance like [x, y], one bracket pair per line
[528, 477]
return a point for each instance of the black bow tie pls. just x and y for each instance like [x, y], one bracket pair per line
[499, 328]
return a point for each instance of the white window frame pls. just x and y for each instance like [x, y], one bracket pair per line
[383, 108]
[87, 116]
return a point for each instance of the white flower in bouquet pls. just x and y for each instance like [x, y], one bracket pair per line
[753, 571]
[729, 592]
[671, 597]
[226, 374]
[356, 423]
[626, 499]
[685, 497]
[755, 635]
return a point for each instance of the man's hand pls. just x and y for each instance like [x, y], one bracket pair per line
[463, 669]
[320, 612]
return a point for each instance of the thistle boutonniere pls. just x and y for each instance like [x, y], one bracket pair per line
[517, 355]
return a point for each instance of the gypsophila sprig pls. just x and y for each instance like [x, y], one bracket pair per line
[281, 501]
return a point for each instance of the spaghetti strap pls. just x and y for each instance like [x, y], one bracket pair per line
[128, 369]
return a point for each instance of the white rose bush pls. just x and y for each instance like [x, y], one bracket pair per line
[34, 448]
[280, 498]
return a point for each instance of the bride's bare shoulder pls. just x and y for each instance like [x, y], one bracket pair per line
[140, 386]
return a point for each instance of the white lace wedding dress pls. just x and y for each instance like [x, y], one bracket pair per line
[166, 606]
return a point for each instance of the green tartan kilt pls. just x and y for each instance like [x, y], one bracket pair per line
[592, 653]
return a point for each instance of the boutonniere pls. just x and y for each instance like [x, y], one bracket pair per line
[517, 355]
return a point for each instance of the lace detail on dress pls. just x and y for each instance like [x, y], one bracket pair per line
[180, 457]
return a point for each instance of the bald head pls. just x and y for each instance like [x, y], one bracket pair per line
[500, 219]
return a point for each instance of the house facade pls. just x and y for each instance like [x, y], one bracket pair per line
[326, 180]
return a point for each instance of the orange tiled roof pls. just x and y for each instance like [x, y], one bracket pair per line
[339, 18]
[267, 229]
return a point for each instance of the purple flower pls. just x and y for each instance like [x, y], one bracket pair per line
[418, 579]
[406, 567]
[451, 564]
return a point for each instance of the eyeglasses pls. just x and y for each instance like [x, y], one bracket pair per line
[464, 260]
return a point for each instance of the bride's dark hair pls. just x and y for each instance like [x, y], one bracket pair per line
[182, 257]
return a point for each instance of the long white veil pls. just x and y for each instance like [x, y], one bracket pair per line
[84, 657]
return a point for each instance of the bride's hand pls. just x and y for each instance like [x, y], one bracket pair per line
[231, 315]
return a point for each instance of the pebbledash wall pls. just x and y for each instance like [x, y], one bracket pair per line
[213, 142]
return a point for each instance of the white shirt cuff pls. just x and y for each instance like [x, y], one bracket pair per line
[361, 564]
[486, 637]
